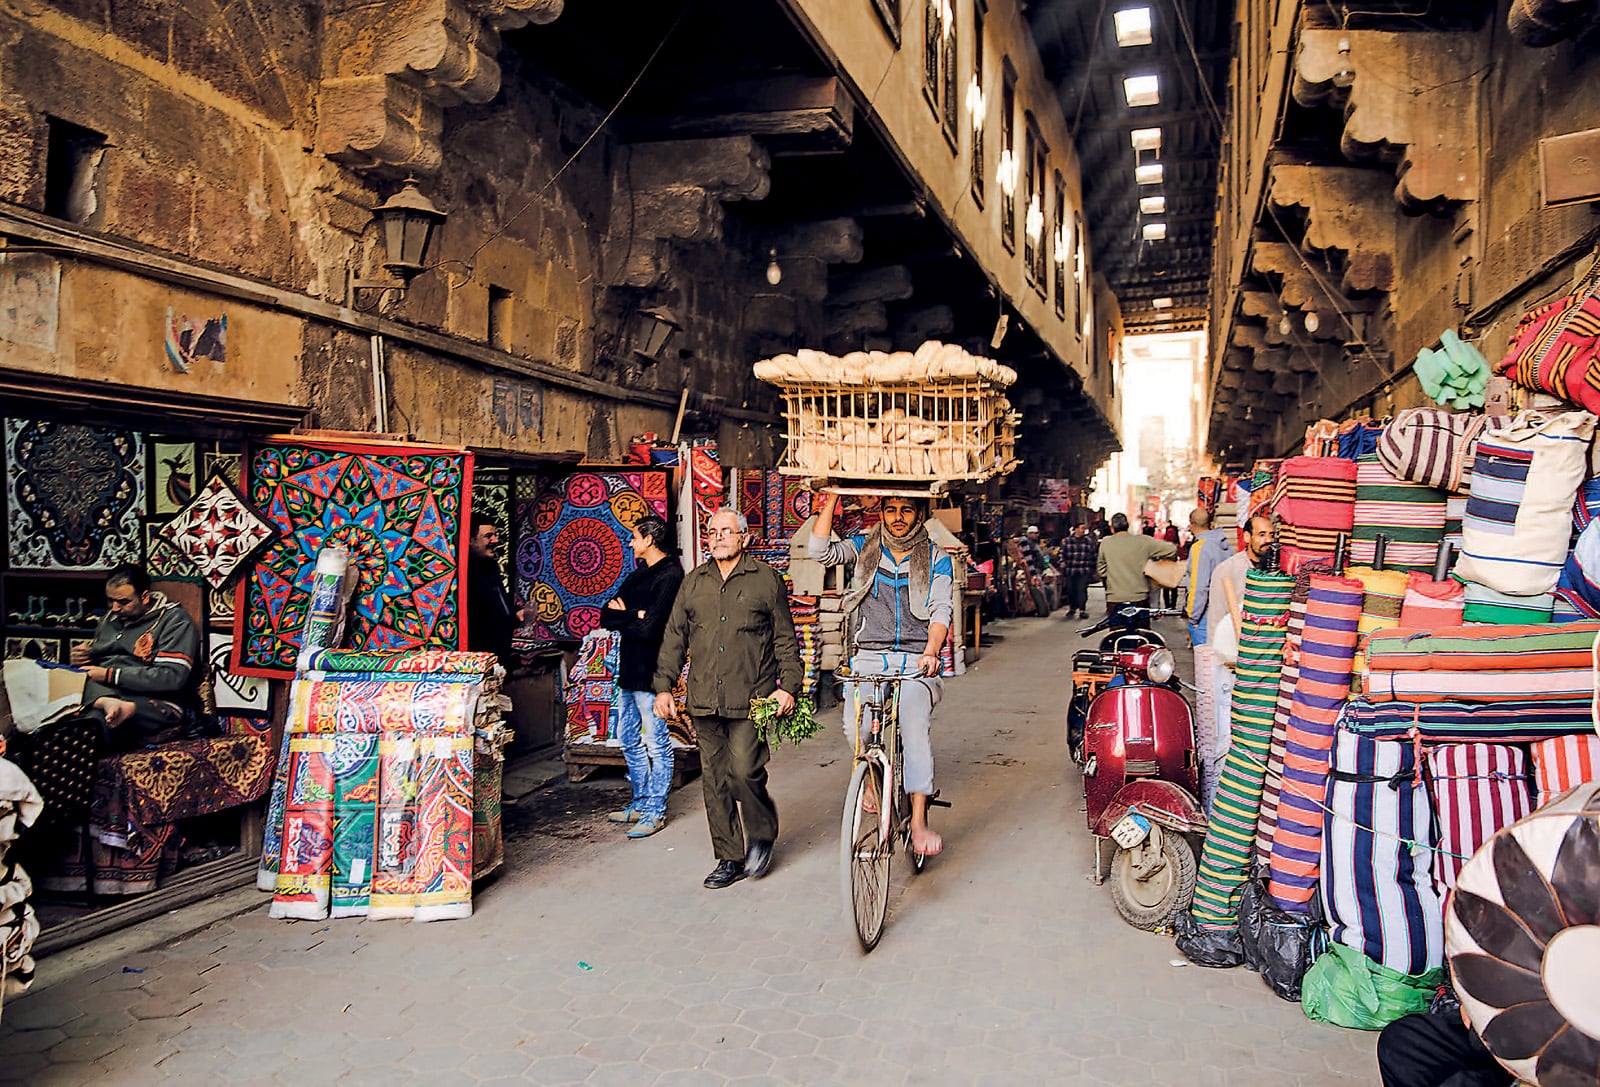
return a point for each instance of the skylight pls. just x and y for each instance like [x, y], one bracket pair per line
[1133, 26]
[1160, 303]
[1152, 205]
[1155, 232]
[1147, 139]
[1142, 90]
[1149, 173]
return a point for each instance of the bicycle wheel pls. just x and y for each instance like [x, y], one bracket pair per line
[864, 855]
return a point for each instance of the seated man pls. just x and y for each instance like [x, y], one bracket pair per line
[897, 614]
[141, 663]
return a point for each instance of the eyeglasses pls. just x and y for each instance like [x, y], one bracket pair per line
[723, 531]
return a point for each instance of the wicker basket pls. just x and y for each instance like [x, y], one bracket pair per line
[923, 432]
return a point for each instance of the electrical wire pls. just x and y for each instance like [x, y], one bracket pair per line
[582, 147]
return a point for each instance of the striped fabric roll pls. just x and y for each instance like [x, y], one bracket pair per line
[1486, 606]
[1377, 850]
[1561, 763]
[1464, 722]
[1433, 446]
[1359, 438]
[1327, 654]
[1430, 604]
[1455, 511]
[1315, 502]
[1410, 515]
[1587, 505]
[1267, 821]
[1384, 591]
[1465, 649]
[1488, 685]
[1563, 611]
[1230, 836]
[1477, 790]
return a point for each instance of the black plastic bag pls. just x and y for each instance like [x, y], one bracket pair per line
[1279, 945]
[1220, 948]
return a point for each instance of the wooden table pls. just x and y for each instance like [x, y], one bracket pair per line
[972, 613]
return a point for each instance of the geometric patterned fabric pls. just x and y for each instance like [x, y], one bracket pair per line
[573, 544]
[400, 513]
[217, 532]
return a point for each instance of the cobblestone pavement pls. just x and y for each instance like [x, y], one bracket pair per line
[601, 961]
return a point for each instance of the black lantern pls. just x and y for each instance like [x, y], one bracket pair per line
[650, 332]
[409, 220]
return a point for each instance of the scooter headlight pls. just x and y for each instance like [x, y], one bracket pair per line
[1161, 666]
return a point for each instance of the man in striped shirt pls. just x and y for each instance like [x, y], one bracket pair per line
[898, 613]
[141, 663]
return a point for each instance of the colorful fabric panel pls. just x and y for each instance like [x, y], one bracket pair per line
[1315, 502]
[1230, 836]
[1562, 763]
[1461, 722]
[1327, 654]
[1477, 790]
[1485, 606]
[1487, 685]
[1377, 851]
[1410, 515]
[1525, 478]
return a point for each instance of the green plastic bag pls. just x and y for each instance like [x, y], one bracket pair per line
[1347, 989]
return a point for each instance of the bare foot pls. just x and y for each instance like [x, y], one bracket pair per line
[117, 710]
[926, 842]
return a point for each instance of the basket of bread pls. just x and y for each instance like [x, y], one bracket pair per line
[933, 415]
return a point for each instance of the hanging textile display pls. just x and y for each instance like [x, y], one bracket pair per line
[1430, 604]
[1519, 512]
[1327, 655]
[592, 697]
[1410, 515]
[1477, 790]
[216, 533]
[74, 495]
[750, 487]
[1377, 853]
[572, 551]
[1563, 763]
[1315, 503]
[491, 502]
[1553, 348]
[1230, 836]
[1520, 932]
[400, 512]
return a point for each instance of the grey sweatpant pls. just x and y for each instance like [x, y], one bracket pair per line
[917, 699]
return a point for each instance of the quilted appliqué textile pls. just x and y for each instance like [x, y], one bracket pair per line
[217, 532]
[74, 494]
[572, 553]
[398, 510]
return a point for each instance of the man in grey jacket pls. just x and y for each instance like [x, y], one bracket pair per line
[141, 663]
[1209, 547]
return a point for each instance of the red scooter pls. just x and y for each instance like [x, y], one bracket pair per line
[1140, 775]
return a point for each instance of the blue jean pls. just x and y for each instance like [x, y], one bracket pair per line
[1197, 632]
[648, 750]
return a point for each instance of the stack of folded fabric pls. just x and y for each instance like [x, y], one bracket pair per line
[1562, 763]
[1409, 515]
[20, 807]
[1315, 504]
[385, 812]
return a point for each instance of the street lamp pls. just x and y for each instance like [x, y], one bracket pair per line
[409, 221]
[649, 333]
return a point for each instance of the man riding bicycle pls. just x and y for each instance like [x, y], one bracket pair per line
[897, 615]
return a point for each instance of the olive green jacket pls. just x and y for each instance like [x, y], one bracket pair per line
[738, 636]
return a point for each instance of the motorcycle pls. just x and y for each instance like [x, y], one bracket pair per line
[1140, 772]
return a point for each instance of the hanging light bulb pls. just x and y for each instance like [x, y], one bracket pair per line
[1285, 326]
[774, 272]
[1345, 75]
[1313, 322]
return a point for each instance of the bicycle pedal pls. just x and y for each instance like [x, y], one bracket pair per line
[935, 802]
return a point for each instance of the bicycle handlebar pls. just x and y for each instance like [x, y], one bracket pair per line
[850, 677]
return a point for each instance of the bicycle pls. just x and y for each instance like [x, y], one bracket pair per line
[877, 811]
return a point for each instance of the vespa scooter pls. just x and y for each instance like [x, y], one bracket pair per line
[1140, 774]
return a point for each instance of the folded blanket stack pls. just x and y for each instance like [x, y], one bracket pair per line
[20, 807]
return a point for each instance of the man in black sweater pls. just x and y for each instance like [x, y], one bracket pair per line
[640, 612]
[492, 616]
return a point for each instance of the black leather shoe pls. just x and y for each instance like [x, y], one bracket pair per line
[725, 874]
[758, 859]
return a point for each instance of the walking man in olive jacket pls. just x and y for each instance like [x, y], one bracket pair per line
[731, 618]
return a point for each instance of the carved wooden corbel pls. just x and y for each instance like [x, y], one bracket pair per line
[1348, 209]
[1409, 98]
[390, 70]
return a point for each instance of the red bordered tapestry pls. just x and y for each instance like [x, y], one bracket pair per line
[399, 510]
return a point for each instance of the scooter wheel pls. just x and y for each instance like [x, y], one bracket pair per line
[1153, 881]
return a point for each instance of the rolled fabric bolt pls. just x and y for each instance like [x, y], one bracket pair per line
[325, 612]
